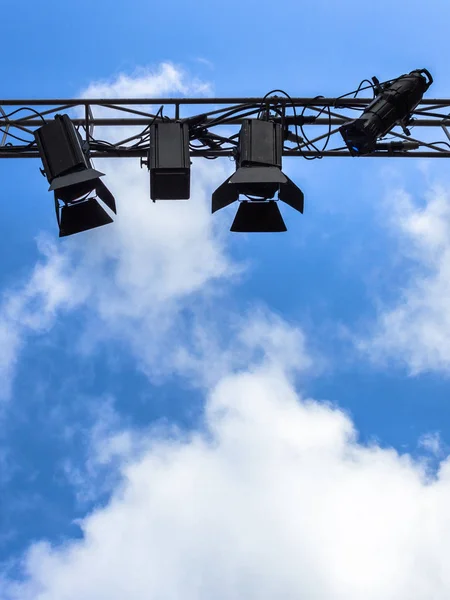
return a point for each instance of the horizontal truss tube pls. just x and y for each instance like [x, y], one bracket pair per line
[112, 153]
[119, 122]
[180, 101]
[53, 106]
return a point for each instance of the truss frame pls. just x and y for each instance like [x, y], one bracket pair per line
[216, 127]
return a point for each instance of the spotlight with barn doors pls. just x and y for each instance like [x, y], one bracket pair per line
[72, 178]
[392, 105]
[258, 177]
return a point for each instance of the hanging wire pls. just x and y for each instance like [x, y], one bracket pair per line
[23, 108]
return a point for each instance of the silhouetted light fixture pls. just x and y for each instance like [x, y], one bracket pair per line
[392, 105]
[259, 178]
[169, 161]
[72, 177]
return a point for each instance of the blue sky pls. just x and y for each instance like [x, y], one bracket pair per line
[161, 370]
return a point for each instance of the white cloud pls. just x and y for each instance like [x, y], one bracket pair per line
[259, 340]
[205, 61]
[165, 80]
[431, 442]
[259, 333]
[415, 330]
[274, 499]
[31, 307]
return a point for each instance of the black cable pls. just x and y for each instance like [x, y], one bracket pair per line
[359, 89]
[142, 135]
[308, 142]
[6, 117]
[295, 114]
[200, 147]
[17, 137]
[231, 112]
[240, 116]
[145, 137]
[329, 131]
[220, 139]
[217, 141]
[102, 142]
[329, 128]
[23, 108]
[436, 143]
[199, 130]
[200, 122]
[273, 92]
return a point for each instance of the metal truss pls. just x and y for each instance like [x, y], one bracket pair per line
[214, 125]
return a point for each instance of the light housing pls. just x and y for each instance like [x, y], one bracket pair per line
[169, 161]
[392, 105]
[258, 177]
[71, 176]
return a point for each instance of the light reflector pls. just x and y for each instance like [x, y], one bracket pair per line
[82, 216]
[255, 217]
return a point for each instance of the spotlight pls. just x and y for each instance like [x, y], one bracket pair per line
[393, 105]
[169, 162]
[71, 177]
[259, 178]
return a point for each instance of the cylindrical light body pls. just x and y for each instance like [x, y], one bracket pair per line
[393, 105]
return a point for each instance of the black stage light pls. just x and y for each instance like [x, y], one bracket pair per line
[72, 177]
[392, 106]
[259, 178]
[169, 161]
